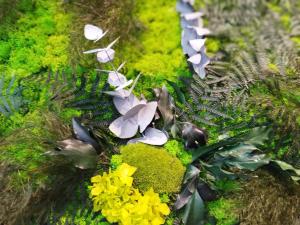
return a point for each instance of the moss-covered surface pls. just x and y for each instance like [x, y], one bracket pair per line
[268, 200]
[224, 211]
[155, 168]
[157, 54]
[37, 41]
[36, 36]
[176, 149]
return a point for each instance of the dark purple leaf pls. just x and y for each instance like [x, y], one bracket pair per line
[193, 136]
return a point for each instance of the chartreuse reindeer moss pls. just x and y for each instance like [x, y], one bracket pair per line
[156, 168]
[176, 148]
[158, 54]
[38, 40]
[119, 202]
[223, 210]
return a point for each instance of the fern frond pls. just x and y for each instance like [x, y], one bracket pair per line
[11, 98]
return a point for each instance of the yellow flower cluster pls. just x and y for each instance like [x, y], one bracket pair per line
[114, 195]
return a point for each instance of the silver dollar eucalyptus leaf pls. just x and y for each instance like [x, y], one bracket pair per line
[200, 68]
[187, 23]
[197, 44]
[192, 16]
[123, 105]
[116, 79]
[146, 115]
[101, 49]
[201, 31]
[191, 2]
[122, 93]
[152, 136]
[195, 59]
[119, 93]
[187, 35]
[182, 7]
[93, 33]
[139, 116]
[126, 84]
[106, 55]
[126, 126]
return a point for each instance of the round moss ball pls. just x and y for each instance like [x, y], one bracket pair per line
[156, 168]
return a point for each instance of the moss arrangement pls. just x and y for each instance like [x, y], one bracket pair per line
[223, 210]
[157, 52]
[38, 35]
[155, 168]
[38, 40]
[176, 149]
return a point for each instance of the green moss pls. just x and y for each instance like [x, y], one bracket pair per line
[38, 40]
[227, 185]
[274, 7]
[115, 161]
[82, 217]
[296, 40]
[157, 53]
[176, 148]
[213, 45]
[223, 210]
[273, 67]
[286, 21]
[24, 145]
[155, 168]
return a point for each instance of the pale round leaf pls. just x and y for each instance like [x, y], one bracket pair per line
[106, 55]
[123, 105]
[146, 115]
[197, 44]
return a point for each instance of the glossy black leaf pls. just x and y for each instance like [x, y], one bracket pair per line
[255, 137]
[206, 193]
[165, 105]
[193, 136]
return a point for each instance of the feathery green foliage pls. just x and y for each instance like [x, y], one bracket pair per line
[10, 97]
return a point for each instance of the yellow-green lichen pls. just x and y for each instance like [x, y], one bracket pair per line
[155, 168]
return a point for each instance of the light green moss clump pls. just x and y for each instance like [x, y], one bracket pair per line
[39, 39]
[157, 53]
[213, 45]
[82, 217]
[155, 168]
[223, 210]
[176, 148]
[115, 161]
